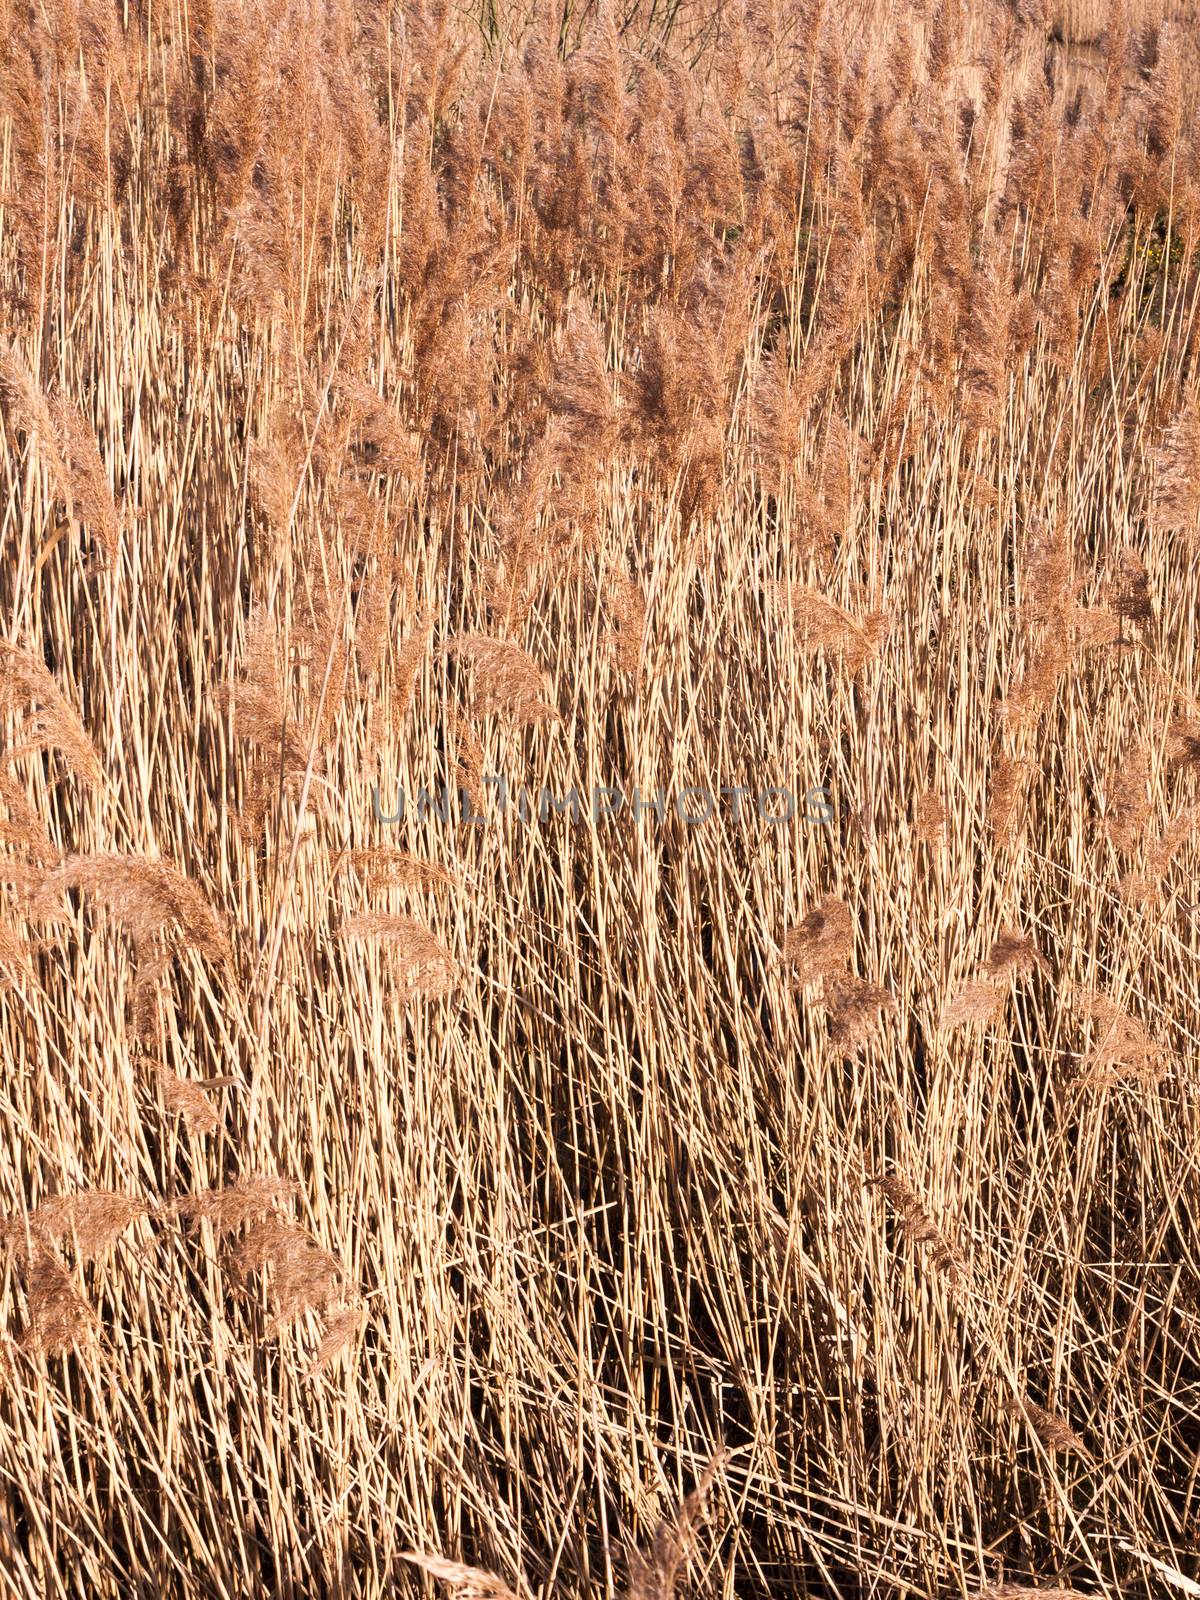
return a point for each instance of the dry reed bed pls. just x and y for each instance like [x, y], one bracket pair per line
[723, 397]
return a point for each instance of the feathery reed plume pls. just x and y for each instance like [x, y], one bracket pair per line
[823, 625]
[579, 396]
[1129, 808]
[1051, 581]
[510, 581]
[1013, 954]
[386, 868]
[1090, 627]
[159, 907]
[381, 442]
[1051, 584]
[28, 408]
[258, 700]
[277, 462]
[320, 637]
[467, 1583]
[979, 1000]
[1130, 594]
[372, 621]
[918, 1224]
[979, 491]
[822, 944]
[88, 494]
[894, 437]
[14, 957]
[162, 912]
[1175, 491]
[408, 664]
[90, 1221]
[185, 1097]
[929, 821]
[1122, 1048]
[258, 703]
[1137, 888]
[48, 720]
[983, 379]
[468, 758]
[857, 1010]
[25, 100]
[24, 826]
[778, 411]
[1055, 1433]
[342, 1327]
[1006, 796]
[422, 962]
[625, 605]
[823, 499]
[676, 406]
[653, 1574]
[302, 1275]
[232, 1206]
[1141, 887]
[1183, 743]
[984, 997]
[66, 447]
[60, 1319]
[1033, 692]
[506, 679]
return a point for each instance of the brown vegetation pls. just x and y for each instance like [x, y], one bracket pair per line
[726, 397]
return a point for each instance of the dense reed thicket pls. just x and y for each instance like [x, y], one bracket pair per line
[519, 404]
